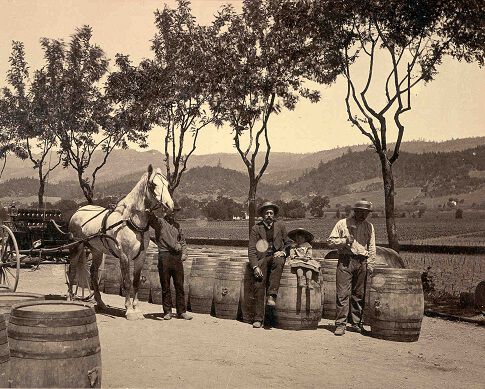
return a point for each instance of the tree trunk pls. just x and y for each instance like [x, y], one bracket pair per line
[253, 185]
[389, 194]
[86, 188]
[40, 192]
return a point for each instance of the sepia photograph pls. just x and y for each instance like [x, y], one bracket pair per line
[242, 194]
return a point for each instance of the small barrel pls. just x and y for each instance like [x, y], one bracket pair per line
[396, 303]
[4, 353]
[153, 277]
[227, 288]
[247, 300]
[329, 291]
[112, 282]
[201, 283]
[297, 308]
[7, 300]
[187, 264]
[54, 344]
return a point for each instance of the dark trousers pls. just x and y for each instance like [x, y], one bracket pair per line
[271, 269]
[351, 273]
[171, 266]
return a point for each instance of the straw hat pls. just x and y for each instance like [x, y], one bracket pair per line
[266, 205]
[300, 231]
[364, 205]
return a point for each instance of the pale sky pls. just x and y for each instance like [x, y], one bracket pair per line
[449, 107]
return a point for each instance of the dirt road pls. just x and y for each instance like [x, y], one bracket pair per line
[207, 352]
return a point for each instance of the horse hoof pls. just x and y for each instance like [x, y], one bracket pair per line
[140, 315]
[131, 315]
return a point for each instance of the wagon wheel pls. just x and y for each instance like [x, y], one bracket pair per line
[82, 283]
[9, 259]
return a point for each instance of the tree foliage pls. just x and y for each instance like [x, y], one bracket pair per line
[318, 204]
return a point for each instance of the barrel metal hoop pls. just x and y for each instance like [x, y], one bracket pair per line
[52, 337]
[52, 322]
[61, 355]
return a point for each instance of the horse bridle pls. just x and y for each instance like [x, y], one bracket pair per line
[150, 188]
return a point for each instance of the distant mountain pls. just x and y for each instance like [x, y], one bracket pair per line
[437, 173]
[283, 167]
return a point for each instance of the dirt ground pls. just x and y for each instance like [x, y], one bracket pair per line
[208, 352]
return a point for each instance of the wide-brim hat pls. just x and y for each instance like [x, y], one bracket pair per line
[300, 231]
[268, 204]
[364, 205]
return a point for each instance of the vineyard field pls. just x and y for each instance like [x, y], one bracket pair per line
[434, 229]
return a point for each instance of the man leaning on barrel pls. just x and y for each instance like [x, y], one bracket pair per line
[266, 252]
[354, 238]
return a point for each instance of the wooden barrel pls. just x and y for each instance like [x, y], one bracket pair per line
[54, 344]
[396, 304]
[296, 308]
[102, 274]
[247, 297]
[153, 277]
[329, 292]
[227, 288]
[480, 297]
[187, 264]
[144, 287]
[201, 283]
[112, 282]
[5, 289]
[4, 354]
[7, 300]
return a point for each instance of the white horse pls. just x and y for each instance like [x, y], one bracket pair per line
[122, 232]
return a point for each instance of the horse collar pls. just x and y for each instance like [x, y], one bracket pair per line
[132, 226]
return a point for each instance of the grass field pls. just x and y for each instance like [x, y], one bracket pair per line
[438, 228]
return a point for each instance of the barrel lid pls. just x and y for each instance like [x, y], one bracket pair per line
[19, 297]
[55, 309]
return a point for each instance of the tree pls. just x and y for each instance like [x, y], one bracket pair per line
[223, 208]
[89, 118]
[318, 204]
[262, 54]
[28, 106]
[411, 38]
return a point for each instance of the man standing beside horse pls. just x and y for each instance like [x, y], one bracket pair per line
[172, 251]
[266, 252]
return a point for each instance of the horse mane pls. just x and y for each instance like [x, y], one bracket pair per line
[136, 198]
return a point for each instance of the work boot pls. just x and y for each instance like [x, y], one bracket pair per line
[356, 328]
[257, 324]
[301, 281]
[184, 316]
[271, 301]
[339, 330]
[167, 316]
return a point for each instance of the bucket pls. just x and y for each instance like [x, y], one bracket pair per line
[396, 304]
[54, 344]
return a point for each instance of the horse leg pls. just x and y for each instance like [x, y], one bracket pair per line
[95, 264]
[137, 267]
[74, 254]
[125, 274]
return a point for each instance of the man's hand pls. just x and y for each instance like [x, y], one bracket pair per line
[370, 269]
[258, 274]
[350, 239]
[279, 254]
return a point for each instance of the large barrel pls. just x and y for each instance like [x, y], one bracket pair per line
[227, 288]
[396, 303]
[297, 308]
[7, 300]
[54, 344]
[112, 282]
[328, 276]
[4, 354]
[385, 257]
[201, 283]
[187, 264]
[247, 300]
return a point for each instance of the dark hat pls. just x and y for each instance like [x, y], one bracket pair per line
[364, 205]
[266, 205]
[300, 231]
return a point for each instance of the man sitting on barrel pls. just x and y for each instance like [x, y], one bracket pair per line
[266, 252]
[354, 237]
